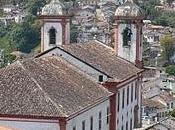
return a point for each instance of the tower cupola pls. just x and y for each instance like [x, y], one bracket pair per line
[129, 8]
[54, 8]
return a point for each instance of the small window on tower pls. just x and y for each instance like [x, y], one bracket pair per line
[127, 36]
[52, 36]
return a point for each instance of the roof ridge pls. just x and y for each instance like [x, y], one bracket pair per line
[98, 42]
[38, 85]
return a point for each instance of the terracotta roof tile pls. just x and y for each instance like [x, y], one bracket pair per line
[104, 59]
[46, 87]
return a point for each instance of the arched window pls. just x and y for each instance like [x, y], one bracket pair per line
[52, 36]
[126, 36]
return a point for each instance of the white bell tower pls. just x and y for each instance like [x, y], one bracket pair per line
[128, 32]
[55, 28]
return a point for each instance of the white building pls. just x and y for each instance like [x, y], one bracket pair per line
[78, 86]
[49, 94]
[8, 8]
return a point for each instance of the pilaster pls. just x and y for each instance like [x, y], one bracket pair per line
[116, 41]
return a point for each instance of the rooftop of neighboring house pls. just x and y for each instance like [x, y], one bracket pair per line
[164, 96]
[168, 123]
[151, 72]
[47, 87]
[151, 85]
[152, 104]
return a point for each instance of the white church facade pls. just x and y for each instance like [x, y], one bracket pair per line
[77, 86]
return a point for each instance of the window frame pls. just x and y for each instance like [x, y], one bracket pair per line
[83, 125]
[99, 120]
[52, 36]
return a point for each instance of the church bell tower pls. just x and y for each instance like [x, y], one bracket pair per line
[128, 32]
[55, 28]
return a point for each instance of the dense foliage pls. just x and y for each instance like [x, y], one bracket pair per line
[168, 47]
[21, 36]
[156, 15]
[170, 70]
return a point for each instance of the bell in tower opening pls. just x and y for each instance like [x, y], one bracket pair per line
[127, 34]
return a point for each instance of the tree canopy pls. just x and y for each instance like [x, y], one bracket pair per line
[24, 37]
[170, 70]
[159, 17]
[168, 47]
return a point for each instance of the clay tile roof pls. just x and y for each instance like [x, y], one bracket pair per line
[166, 96]
[152, 103]
[104, 59]
[46, 87]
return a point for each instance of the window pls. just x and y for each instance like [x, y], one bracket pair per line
[126, 36]
[160, 114]
[122, 127]
[100, 78]
[107, 120]
[118, 101]
[172, 105]
[132, 87]
[91, 123]
[83, 125]
[99, 118]
[126, 125]
[136, 89]
[52, 36]
[131, 124]
[123, 98]
[168, 105]
[163, 114]
[127, 95]
[74, 128]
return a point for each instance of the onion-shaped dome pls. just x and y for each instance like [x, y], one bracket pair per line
[129, 8]
[54, 8]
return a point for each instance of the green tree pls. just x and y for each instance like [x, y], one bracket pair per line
[168, 47]
[172, 113]
[3, 29]
[170, 70]
[34, 6]
[24, 37]
[73, 34]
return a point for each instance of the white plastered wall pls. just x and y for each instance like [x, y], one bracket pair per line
[93, 112]
[127, 113]
[29, 124]
[45, 32]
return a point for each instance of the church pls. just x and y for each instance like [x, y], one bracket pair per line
[88, 86]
